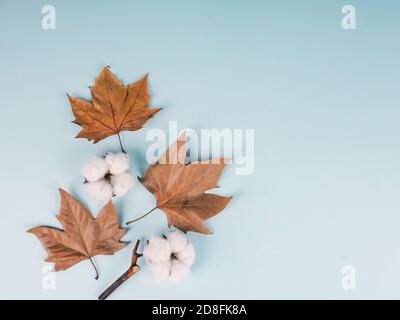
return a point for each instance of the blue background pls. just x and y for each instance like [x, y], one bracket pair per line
[324, 104]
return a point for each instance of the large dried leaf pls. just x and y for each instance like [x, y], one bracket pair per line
[115, 107]
[83, 236]
[180, 188]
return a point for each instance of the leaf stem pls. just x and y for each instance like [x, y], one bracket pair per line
[147, 213]
[95, 269]
[120, 143]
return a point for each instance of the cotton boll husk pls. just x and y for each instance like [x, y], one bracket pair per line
[157, 250]
[177, 240]
[178, 271]
[121, 183]
[187, 255]
[99, 190]
[159, 270]
[117, 162]
[94, 169]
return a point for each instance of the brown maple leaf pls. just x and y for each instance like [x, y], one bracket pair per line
[83, 236]
[180, 188]
[115, 107]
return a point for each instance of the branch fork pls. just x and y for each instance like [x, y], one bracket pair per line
[133, 269]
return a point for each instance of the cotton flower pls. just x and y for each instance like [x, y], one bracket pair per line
[160, 270]
[117, 162]
[121, 183]
[177, 240]
[178, 271]
[169, 258]
[187, 254]
[94, 169]
[111, 173]
[157, 250]
[100, 190]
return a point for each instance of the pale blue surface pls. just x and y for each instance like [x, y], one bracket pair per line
[324, 104]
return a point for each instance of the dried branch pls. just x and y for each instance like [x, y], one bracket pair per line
[133, 269]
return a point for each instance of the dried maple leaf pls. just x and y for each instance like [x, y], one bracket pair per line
[180, 188]
[83, 236]
[115, 107]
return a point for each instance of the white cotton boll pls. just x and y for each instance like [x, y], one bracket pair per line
[187, 255]
[99, 190]
[117, 162]
[178, 271]
[94, 169]
[177, 240]
[159, 270]
[121, 183]
[157, 250]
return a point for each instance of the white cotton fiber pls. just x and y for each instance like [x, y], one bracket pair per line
[178, 271]
[121, 183]
[99, 190]
[159, 270]
[177, 240]
[94, 169]
[187, 255]
[117, 162]
[169, 258]
[157, 250]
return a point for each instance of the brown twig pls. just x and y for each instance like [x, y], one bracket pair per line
[133, 269]
[147, 213]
